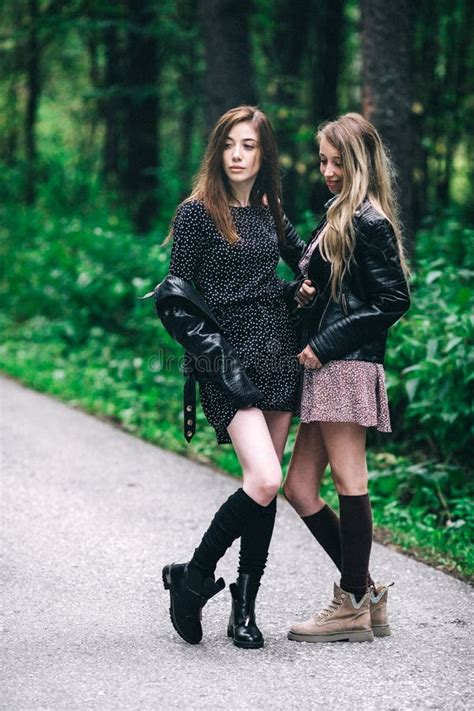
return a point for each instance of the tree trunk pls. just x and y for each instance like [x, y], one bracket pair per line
[427, 97]
[112, 103]
[327, 58]
[455, 89]
[288, 51]
[12, 67]
[188, 88]
[387, 98]
[143, 113]
[33, 91]
[228, 79]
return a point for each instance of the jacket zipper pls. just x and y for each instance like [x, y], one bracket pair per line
[324, 313]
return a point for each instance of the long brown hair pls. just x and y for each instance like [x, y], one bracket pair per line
[212, 186]
[367, 173]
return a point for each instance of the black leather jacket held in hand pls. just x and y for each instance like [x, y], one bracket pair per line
[209, 356]
[374, 295]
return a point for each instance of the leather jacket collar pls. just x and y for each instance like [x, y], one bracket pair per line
[174, 287]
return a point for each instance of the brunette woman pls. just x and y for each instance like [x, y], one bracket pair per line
[356, 261]
[227, 240]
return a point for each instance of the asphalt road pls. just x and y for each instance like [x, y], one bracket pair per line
[91, 514]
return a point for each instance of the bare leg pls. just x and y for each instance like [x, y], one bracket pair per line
[307, 467]
[278, 425]
[345, 445]
[255, 449]
[262, 477]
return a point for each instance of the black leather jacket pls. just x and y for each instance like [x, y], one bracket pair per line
[188, 319]
[374, 295]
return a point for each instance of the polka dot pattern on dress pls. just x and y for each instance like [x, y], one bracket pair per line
[241, 287]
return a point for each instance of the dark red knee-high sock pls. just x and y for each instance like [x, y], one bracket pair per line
[356, 541]
[324, 525]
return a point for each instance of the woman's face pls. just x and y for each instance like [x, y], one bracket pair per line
[331, 166]
[241, 158]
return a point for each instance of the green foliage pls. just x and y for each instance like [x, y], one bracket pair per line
[427, 507]
[430, 356]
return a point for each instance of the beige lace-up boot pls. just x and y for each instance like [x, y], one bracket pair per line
[379, 611]
[343, 619]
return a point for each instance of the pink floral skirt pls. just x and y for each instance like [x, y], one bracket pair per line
[346, 391]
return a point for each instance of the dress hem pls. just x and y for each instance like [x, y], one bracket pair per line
[223, 437]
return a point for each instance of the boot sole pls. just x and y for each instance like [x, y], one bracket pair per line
[358, 636]
[382, 631]
[168, 585]
[247, 645]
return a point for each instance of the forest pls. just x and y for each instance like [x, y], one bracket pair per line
[105, 108]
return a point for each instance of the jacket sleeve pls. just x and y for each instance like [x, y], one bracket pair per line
[212, 355]
[386, 289]
[292, 251]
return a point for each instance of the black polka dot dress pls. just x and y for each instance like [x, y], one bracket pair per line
[240, 286]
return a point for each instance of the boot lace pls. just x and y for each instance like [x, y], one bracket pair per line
[333, 606]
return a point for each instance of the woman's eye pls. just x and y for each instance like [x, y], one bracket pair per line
[227, 145]
[249, 146]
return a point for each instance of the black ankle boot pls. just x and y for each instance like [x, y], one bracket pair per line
[189, 592]
[242, 625]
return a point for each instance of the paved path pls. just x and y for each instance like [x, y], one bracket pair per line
[90, 516]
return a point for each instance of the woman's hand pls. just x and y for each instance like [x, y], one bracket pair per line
[308, 359]
[306, 293]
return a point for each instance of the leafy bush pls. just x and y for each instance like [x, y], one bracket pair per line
[429, 355]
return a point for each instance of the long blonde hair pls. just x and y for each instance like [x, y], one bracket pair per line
[212, 187]
[367, 173]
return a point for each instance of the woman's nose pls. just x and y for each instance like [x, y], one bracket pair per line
[236, 153]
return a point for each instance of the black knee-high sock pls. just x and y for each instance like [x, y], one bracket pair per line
[324, 525]
[227, 525]
[356, 542]
[255, 540]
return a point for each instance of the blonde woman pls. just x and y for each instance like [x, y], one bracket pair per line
[356, 262]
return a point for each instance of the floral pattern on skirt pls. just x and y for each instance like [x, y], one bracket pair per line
[346, 391]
